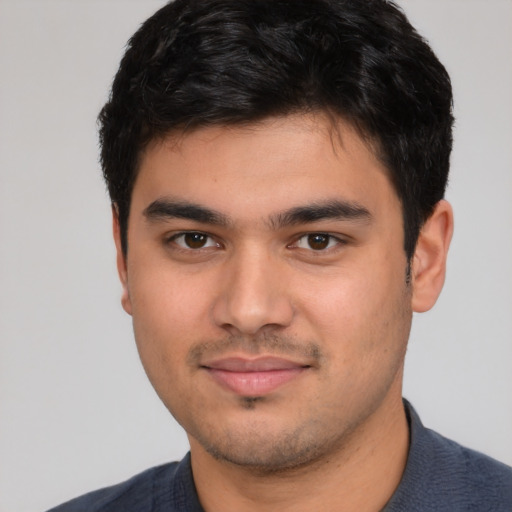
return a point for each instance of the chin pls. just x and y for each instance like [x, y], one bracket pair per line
[264, 451]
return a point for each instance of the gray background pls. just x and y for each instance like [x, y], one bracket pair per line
[76, 410]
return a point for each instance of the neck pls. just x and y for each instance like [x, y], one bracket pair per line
[359, 476]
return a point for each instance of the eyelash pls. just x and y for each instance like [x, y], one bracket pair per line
[310, 236]
[333, 242]
[173, 239]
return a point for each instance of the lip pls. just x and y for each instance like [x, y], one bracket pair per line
[254, 377]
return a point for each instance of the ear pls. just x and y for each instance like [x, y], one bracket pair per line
[121, 261]
[429, 260]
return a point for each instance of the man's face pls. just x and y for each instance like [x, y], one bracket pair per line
[266, 278]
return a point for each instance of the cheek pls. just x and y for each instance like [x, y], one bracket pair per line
[365, 337]
[339, 301]
[167, 317]
[359, 314]
[164, 299]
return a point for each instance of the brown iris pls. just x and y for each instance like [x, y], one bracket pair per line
[318, 241]
[195, 240]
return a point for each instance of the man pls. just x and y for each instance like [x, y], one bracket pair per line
[277, 172]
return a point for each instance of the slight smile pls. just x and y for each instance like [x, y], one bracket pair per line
[254, 377]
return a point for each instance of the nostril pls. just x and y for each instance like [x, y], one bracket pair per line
[252, 296]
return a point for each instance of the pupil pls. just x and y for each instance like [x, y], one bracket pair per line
[318, 242]
[195, 240]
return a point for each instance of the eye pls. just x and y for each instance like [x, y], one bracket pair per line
[193, 240]
[317, 242]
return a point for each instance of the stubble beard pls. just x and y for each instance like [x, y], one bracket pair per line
[262, 453]
[268, 451]
[260, 448]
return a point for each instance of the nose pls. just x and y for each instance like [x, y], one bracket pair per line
[253, 296]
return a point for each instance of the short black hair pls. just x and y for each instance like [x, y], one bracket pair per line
[198, 63]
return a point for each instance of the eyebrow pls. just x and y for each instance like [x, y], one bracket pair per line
[329, 210]
[165, 208]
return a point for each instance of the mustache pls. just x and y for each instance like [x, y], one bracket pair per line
[265, 343]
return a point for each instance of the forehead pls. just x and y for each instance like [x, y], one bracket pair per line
[273, 164]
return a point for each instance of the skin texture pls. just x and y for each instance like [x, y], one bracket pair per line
[250, 283]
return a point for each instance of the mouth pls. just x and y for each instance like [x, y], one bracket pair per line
[254, 377]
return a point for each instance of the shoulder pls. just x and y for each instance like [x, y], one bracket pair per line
[477, 477]
[441, 475]
[139, 493]
[469, 464]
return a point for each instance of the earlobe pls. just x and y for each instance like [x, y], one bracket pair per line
[429, 261]
[121, 261]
